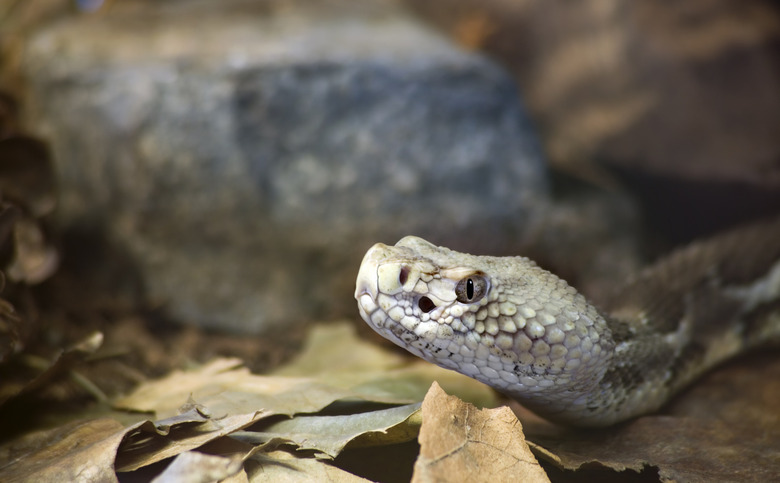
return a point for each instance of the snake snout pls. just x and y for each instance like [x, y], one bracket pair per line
[385, 270]
[366, 283]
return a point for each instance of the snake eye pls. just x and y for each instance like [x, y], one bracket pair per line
[471, 289]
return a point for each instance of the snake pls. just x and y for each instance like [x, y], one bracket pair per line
[522, 330]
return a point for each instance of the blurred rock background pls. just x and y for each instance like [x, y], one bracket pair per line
[226, 164]
[243, 155]
[678, 102]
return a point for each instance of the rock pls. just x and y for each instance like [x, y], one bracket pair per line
[246, 154]
[680, 101]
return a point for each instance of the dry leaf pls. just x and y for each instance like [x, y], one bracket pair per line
[282, 467]
[232, 447]
[194, 467]
[80, 451]
[90, 451]
[377, 376]
[227, 398]
[335, 353]
[227, 389]
[335, 348]
[240, 477]
[148, 442]
[459, 442]
[330, 434]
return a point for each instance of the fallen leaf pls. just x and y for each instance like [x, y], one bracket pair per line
[330, 434]
[80, 451]
[148, 442]
[379, 376]
[459, 442]
[282, 467]
[336, 354]
[223, 397]
[335, 348]
[227, 389]
[91, 450]
[194, 467]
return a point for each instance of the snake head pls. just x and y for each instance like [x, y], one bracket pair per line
[412, 294]
[501, 320]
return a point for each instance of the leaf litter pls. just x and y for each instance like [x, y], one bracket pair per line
[330, 434]
[201, 408]
[293, 424]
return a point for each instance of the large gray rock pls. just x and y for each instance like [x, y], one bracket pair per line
[245, 154]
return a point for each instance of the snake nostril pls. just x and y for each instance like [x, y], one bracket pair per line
[403, 276]
[426, 304]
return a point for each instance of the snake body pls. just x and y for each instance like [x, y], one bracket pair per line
[522, 330]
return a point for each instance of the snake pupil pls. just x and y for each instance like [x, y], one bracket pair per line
[471, 289]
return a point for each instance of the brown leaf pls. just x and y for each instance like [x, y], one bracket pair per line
[148, 442]
[281, 467]
[336, 354]
[459, 442]
[325, 352]
[227, 388]
[80, 451]
[94, 450]
[326, 372]
[195, 467]
[330, 434]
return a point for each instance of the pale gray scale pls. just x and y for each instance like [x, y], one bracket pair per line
[535, 338]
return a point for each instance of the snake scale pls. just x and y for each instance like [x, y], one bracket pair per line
[527, 333]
